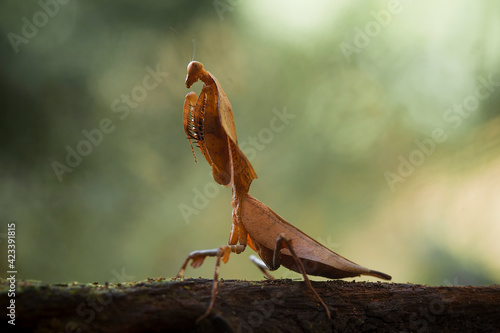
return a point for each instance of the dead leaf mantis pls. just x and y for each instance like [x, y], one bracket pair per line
[208, 120]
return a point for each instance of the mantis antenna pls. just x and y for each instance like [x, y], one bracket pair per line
[185, 49]
[194, 49]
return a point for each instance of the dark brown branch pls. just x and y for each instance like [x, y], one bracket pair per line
[244, 306]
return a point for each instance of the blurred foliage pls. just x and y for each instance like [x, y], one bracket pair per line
[356, 118]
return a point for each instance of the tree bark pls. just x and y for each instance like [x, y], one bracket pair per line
[246, 306]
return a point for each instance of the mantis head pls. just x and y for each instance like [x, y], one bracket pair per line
[195, 72]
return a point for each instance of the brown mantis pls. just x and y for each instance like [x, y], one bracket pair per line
[208, 120]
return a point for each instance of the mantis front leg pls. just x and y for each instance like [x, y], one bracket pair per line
[199, 256]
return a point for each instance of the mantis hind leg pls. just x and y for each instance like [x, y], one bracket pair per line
[283, 242]
[198, 257]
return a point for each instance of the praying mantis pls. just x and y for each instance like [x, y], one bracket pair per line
[208, 121]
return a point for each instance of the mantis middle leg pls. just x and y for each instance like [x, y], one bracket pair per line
[199, 256]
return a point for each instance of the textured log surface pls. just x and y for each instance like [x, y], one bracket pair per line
[245, 306]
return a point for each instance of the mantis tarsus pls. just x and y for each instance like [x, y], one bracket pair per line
[208, 120]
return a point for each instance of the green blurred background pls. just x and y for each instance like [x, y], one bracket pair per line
[118, 214]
